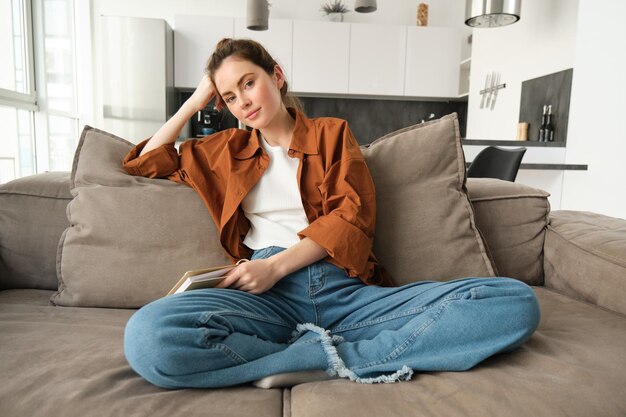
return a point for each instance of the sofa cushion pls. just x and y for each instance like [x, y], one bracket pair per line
[289, 379]
[131, 238]
[32, 218]
[425, 227]
[512, 218]
[66, 361]
[573, 366]
[71, 359]
[585, 257]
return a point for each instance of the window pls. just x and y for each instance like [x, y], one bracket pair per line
[17, 94]
[57, 121]
[40, 124]
[16, 76]
[17, 154]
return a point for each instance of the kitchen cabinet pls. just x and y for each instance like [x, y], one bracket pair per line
[333, 57]
[377, 57]
[432, 62]
[464, 77]
[277, 40]
[195, 38]
[321, 53]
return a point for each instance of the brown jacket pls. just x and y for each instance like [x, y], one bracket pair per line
[335, 184]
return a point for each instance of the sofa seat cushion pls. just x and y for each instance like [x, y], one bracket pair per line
[32, 218]
[69, 361]
[585, 257]
[26, 297]
[512, 218]
[573, 365]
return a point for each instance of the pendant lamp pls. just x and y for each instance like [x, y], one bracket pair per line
[365, 6]
[257, 15]
[492, 13]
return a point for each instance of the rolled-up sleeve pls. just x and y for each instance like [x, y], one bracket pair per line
[346, 230]
[160, 162]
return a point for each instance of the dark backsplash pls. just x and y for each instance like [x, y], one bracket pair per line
[370, 119]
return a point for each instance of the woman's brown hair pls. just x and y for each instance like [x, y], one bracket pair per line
[251, 51]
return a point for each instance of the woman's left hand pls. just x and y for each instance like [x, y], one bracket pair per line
[255, 276]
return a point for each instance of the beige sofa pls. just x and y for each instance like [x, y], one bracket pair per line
[67, 359]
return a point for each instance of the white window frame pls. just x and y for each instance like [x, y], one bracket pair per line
[36, 100]
[25, 101]
[42, 142]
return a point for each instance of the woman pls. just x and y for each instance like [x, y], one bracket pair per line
[296, 198]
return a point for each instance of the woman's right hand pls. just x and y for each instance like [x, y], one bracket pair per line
[203, 94]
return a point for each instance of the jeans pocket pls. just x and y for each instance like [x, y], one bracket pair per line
[266, 252]
[229, 353]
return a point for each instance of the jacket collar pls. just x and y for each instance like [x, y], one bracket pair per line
[304, 137]
[303, 140]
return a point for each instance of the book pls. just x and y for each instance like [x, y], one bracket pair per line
[203, 278]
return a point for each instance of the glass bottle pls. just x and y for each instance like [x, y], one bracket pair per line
[549, 133]
[542, 128]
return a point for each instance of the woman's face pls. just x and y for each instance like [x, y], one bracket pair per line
[250, 93]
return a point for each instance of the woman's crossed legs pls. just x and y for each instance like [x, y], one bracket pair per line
[317, 318]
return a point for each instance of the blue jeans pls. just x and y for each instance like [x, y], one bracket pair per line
[317, 318]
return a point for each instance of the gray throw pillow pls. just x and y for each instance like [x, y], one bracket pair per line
[425, 228]
[130, 238]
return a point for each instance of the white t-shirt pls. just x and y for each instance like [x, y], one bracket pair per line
[274, 205]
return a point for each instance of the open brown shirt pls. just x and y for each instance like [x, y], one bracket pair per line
[335, 184]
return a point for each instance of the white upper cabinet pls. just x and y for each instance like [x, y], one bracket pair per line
[377, 57]
[321, 52]
[277, 40]
[195, 38]
[332, 57]
[432, 62]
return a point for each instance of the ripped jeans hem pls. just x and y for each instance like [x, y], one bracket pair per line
[336, 365]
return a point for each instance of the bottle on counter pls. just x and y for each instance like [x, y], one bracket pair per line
[542, 128]
[549, 127]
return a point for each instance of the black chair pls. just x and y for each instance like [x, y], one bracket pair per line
[495, 162]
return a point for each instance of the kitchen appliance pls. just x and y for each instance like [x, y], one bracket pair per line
[206, 121]
[136, 75]
[209, 121]
[492, 13]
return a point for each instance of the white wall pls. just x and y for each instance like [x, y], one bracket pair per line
[596, 134]
[541, 43]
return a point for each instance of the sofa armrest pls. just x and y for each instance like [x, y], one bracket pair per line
[32, 219]
[585, 258]
[512, 219]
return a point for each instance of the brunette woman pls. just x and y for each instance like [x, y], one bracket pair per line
[294, 195]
